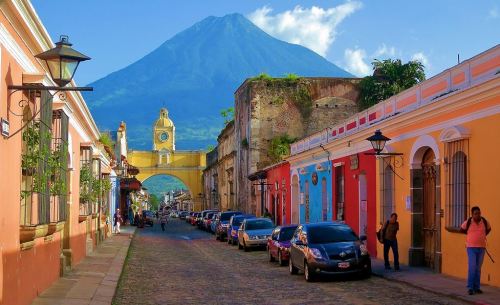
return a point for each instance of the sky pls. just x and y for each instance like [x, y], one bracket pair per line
[350, 34]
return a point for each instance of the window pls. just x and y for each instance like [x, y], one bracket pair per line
[36, 166]
[86, 180]
[339, 192]
[457, 185]
[387, 190]
[59, 166]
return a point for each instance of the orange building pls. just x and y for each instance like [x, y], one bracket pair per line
[447, 129]
[46, 224]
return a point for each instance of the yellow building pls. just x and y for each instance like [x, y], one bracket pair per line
[185, 165]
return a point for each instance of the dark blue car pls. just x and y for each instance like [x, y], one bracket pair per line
[223, 223]
[234, 226]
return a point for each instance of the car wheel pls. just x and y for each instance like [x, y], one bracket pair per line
[216, 236]
[291, 267]
[229, 240]
[309, 274]
[271, 257]
[240, 246]
[221, 239]
[280, 259]
[245, 246]
[366, 273]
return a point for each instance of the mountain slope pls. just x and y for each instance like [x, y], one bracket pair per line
[194, 75]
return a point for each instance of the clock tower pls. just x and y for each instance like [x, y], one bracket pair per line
[164, 133]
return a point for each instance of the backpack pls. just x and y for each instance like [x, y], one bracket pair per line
[381, 233]
[469, 221]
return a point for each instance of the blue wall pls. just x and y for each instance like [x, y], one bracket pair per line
[317, 210]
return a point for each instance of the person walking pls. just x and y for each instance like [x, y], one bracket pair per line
[390, 230]
[163, 221]
[117, 220]
[476, 228]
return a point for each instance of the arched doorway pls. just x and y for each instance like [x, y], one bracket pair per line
[295, 199]
[324, 200]
[429, 207]
[425, 247]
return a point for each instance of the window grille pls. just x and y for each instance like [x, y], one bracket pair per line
[36, 154]
[86, 179]
[387, 189]
[457, 183]
[339, 192]
[59, 166]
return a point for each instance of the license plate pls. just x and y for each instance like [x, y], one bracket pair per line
[344, 265]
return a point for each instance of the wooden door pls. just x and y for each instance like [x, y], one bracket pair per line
[429, 207]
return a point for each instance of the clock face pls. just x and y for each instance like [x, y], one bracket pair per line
[163, 136]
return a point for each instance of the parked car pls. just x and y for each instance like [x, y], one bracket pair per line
[234, 225]
[183, 215]
[190, 216]
[254, 232]
[330, 248]
[194, 218]
[223, 224]
[278, 245]
[213, 223]
[202, 216]
[206, 221]
[148, 217]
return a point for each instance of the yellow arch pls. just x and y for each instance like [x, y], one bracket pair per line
[186, 166]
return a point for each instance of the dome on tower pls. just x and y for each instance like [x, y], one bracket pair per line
[164, 120]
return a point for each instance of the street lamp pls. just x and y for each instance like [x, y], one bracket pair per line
[378, 141]
[62, 61]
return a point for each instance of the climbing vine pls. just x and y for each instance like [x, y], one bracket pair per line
[280, 147]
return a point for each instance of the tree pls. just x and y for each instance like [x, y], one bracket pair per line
[154, 201]
[227, 114]
[389, 78]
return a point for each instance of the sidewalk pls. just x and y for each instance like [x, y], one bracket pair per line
[93, 281]
[438, 283]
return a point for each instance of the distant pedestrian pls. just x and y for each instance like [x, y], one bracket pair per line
[267, 214]
[476, 228]
[163, 221]
[389, 231]
[117, 220]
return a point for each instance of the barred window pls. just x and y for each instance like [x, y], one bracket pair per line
[59, 166]
[36, 171]
[387, 191]
[457, 193]
[86, 180]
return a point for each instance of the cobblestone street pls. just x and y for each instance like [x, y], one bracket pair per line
[187, 266]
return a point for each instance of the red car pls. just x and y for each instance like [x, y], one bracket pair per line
[194, 219]
[278, 245]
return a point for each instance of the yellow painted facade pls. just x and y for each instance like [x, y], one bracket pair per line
[187, 166]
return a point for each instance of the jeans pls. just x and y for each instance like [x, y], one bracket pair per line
[394, 245]
[476, 256]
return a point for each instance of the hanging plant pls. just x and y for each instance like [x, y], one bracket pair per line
[86, 179]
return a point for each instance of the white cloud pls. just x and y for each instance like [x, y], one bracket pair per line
[420, 56]
[355, 62]
[384, 50]
[314, 28]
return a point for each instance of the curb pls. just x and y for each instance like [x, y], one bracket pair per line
[453, 296]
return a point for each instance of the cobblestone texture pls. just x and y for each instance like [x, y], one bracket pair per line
[186, 266]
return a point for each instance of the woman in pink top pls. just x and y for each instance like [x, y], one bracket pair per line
[476, 229]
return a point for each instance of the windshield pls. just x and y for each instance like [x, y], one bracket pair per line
[330, 234]
[226, 216]
[286, 233]
[259, 224]
[209, 215]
